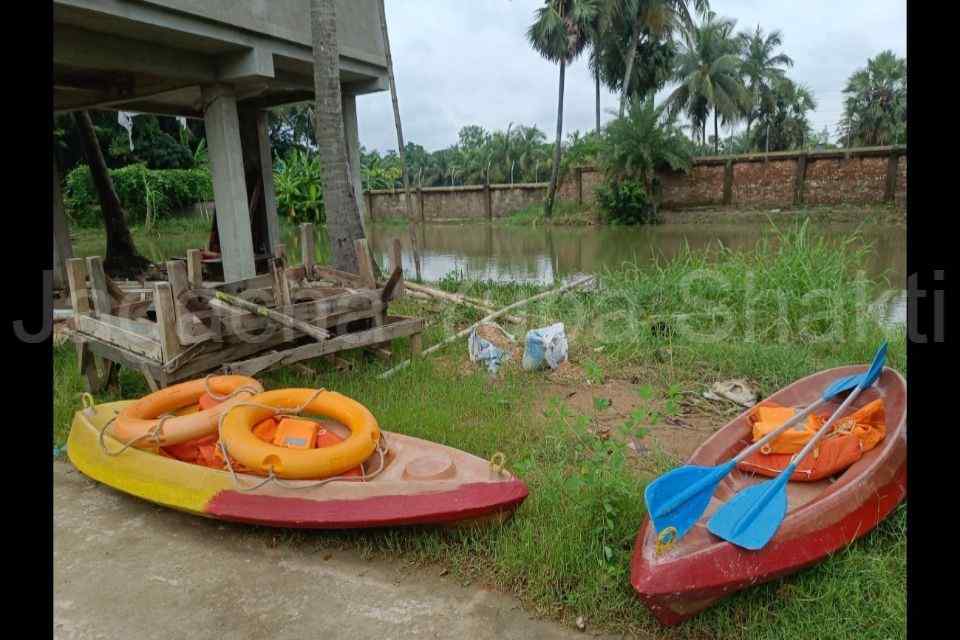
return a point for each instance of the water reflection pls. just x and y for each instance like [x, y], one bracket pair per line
[548, 254]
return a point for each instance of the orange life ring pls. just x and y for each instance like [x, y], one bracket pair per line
[301, 464]
[141, 418]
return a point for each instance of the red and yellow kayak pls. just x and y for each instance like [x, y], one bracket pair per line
[419, 482]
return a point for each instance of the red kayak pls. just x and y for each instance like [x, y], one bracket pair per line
[824, 516]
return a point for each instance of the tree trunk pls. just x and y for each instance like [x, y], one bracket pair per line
[343, 215]
[631, 54]
[396, 112]
[598, 100]
[121, 256]
[768, 137]
[716, 134]
[555, 173]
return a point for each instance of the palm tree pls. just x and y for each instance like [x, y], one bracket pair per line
[875, 106]
[708, 70]
[760, 66]
[783, 115]
[340, 202]
[121, 256]
[560, 34]
[655, 19]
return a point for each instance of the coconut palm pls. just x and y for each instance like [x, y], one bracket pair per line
[782, 116]
[708, 71]
[875, 106]
[760, 66]
[651, 20]
[344, 224]
[559, 33]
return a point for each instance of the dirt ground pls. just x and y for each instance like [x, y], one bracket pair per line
[125, 568]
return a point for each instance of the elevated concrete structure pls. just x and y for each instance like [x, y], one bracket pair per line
[223, 61]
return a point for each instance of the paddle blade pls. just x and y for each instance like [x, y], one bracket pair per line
[876, 367]
[679, 497]
[753, 516]
[841, 385]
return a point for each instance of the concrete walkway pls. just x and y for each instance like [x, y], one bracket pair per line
[125, 568]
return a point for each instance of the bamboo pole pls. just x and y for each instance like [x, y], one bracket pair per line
[458, 298]
[492, 316]
[276, 316]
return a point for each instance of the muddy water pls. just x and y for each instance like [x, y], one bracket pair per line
[548, 254]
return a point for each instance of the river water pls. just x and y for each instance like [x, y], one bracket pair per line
[548, 254]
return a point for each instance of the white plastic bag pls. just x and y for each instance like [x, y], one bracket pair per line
[482, 350]
[545, 345]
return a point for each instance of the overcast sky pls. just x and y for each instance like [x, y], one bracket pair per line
[460, 63]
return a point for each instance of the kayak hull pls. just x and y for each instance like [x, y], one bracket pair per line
[422, 483]
[824, 516]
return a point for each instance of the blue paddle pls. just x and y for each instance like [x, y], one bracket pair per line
[677, 499]
[753, 516]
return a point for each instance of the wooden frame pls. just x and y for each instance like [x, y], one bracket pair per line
[192, 331]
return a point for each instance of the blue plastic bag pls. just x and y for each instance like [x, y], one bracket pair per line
[545, 346]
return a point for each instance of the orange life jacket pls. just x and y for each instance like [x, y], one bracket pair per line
[846, 443]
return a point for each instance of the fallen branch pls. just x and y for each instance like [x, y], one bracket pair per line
[276, 316]
[492, 316]
[458, 298]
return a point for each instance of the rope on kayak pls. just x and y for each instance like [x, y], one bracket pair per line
[154, 433]
[382, 448]
[221, 398]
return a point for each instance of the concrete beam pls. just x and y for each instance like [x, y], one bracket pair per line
[229, 185]
[253, 64]
[351, 132]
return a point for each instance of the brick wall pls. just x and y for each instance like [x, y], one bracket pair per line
[783, 179]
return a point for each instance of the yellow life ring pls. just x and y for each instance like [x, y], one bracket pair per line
[141, 423]
[300, 464]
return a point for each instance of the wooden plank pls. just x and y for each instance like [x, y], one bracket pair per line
[236, 322]
[118, 355]
[236, 287]
[336, 274]
[99, 294]
[275, 316]
[398, 328]
[166, 320]
[190, 328]
[195, 268]
[146, 329]
[115, 335]
[131, 310]
[151, 381]
[77, 281]
[367, 278]
[281, 286]
[308, 249]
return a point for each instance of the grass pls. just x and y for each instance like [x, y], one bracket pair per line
[170, 238]
[566, 552]
[564, 213]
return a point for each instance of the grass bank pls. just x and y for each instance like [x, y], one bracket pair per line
[659, 334]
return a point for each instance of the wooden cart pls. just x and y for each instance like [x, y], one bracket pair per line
[186, 330]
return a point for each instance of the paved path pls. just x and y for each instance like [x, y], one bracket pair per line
[125, 568]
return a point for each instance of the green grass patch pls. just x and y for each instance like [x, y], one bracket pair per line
[772, 314]
[564, 213]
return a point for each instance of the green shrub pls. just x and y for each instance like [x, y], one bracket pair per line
[162, 191]
[625, 201]
[298, 180]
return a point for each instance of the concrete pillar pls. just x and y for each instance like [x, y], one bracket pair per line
[352, 133]
[62, 249]
[269, 193]
[222, 126]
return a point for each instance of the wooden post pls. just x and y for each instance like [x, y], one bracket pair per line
[579, 175]
[365, 263]
[416, 345]
[420, 202]
[890, 185]
[166, 321]
[369, 199]
[195, 268]
[799, 178]
[77, 281]
[308, 249]
[487, 199]
[102, 303]
[397, 257]
[728, 182]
